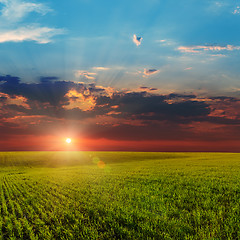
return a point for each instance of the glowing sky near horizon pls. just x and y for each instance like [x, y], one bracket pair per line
[153, 73]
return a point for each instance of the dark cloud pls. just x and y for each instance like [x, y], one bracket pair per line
[176, 95]
[3, 99]
[48, 79]
[45, 91]
[153, 89]
[148, 72]
[223, 98]
[10, 79]
[142, 105]
[131, 105]
[148, 89]
[51, 104]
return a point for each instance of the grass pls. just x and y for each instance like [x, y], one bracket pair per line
[119, 195]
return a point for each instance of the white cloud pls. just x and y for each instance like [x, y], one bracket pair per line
[217, 7]
[86, 74]
[101, 68]
[12, 30]
[199, 48]
[166, 42]
[15, 10]
[30, 33]
[137, 40]
[224, 6]
[218, 55]
[161, 41]
[219, 4]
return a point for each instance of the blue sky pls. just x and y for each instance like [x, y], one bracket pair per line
[193, 44]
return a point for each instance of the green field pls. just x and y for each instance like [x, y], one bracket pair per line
[119, 195]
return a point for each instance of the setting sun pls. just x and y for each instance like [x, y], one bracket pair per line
[68, 140]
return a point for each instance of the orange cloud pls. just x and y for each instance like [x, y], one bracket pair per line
[25, 121]
[101, 68]
[16, 100]
[80, 101]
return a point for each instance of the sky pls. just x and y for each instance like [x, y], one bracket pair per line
[146, 75]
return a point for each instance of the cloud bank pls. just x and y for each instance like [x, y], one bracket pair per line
[97, 112]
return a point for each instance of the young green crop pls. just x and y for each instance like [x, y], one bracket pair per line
[119, 195]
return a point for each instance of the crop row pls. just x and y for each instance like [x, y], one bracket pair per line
[151, 200]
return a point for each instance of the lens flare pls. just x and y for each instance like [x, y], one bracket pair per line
[101, 164]
[68, 140]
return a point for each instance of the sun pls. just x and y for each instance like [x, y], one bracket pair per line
[68, 140]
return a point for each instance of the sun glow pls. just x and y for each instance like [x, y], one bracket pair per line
[68, 140]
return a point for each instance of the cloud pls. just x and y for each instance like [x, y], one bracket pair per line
[201, 48]
[218, 55]
[163, 42]
[48, 79]
[147, 89]
[219, 7]
[86, 74]
[69, 95]
[44, 92]
[40, 35]
[15, 10]
[79, 100]
[101, 68]
[12, 30]
[49, 105]
[14, 100]
[166, 42]
[137, 40]
[149, 72]
[237, 10]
